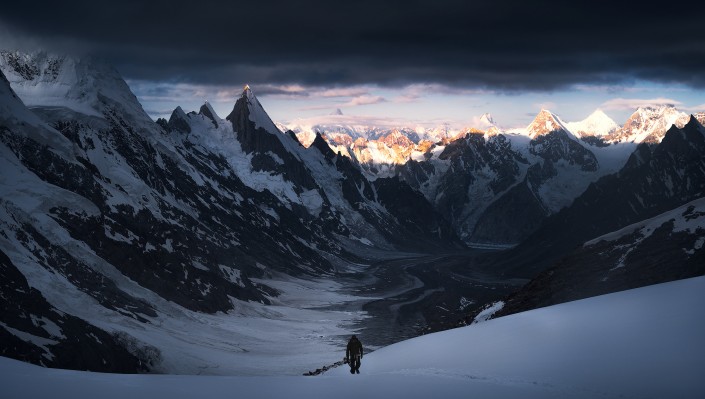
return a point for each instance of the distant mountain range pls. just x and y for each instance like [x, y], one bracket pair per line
[115, 225]
[544, 166]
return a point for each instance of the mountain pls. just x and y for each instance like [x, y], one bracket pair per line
[465, 176]
[700, 116]
[649, 125]
[486, 121]
[597, 124]
[497, 188]
[380, 157]
[81, 85]
[545, 122]
[598, 130]
[343, 129]
[340, 128]
[655, 179]
[192, 243]
[479, 179]
[551, 140]
[37, 332]
[664, 248]
[136, 232]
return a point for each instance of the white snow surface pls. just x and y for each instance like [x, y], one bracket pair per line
[642, 343]
[79, 84]
[488, 312]
[597, 124]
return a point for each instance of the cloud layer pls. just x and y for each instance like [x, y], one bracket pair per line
[498, 45]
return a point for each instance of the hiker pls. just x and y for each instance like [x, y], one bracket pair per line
[354, 354]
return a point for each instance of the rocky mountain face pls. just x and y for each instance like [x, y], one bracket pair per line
[655, 179]
[497, 187]
[101, 205]
[465, 176]
[648, 125]
[644, 225]
[110, 219]
[664, 248]
[700, 116]
[35, 331]
[477, 180]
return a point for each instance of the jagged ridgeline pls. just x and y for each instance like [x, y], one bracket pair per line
[119, 233]
[497, 186]
[103, 206]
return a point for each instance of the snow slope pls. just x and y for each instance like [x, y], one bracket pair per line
[645, 343]
[80, 84]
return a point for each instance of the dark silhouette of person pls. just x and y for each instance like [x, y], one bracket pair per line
[354, 354]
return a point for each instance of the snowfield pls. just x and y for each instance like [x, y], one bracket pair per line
[642, 343]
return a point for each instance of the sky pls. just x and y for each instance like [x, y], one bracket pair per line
[412, 62]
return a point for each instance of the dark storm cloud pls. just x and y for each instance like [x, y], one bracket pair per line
[506, 45]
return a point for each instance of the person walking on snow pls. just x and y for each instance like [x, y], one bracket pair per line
[354, 354]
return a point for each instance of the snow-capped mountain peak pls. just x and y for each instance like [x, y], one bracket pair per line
[82, 85]
[178, 113]
[257, 114]
[486, 120]
[545, 122]
[397, 138]
[649, 124]
[700, 117]
[206, 108]
[179, 120]
[337, 112]
[208, 111]
[596, 124]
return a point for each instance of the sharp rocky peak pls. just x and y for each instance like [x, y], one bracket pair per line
[178, 113]
[249, 104]
[545, 122]
[700, 117]
[487, 120]
[207, 108]
[247, 93]
[694, 121]
[179, 121]
[208, 111]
